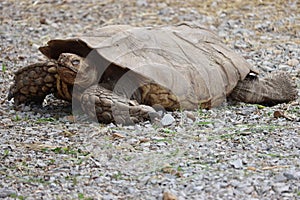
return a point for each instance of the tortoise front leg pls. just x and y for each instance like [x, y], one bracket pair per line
[33, 83]
[107, 107]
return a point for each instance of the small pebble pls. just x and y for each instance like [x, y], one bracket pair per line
[293, 62]
[238, 164]
[167, 120]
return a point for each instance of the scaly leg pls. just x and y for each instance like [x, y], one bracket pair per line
[274, 89]
[107, 107]
[33, 83]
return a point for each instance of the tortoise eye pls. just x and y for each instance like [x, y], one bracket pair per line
[75, 62]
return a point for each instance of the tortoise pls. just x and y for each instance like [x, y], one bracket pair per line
[123, 74]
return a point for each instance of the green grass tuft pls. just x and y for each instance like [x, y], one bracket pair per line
[4, 68]
[168, 131]
[204, 123]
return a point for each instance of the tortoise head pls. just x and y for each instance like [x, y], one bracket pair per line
[73, 69]
[68, 67]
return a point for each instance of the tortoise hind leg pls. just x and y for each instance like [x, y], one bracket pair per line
[33, 83]
[274, 89]
[105, 106]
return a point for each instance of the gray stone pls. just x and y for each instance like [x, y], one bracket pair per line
[141, 3]
[6, 121]
[291, 176]
[281, 187]
[167, 120]
[238, 164]
[284, 67]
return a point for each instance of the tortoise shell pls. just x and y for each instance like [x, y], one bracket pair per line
[186, 59]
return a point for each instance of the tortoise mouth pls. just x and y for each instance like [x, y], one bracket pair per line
[69, 68]
[67, 74]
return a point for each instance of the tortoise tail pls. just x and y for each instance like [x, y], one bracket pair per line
[274, 89]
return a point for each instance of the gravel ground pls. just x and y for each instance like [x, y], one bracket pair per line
[233, 152]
